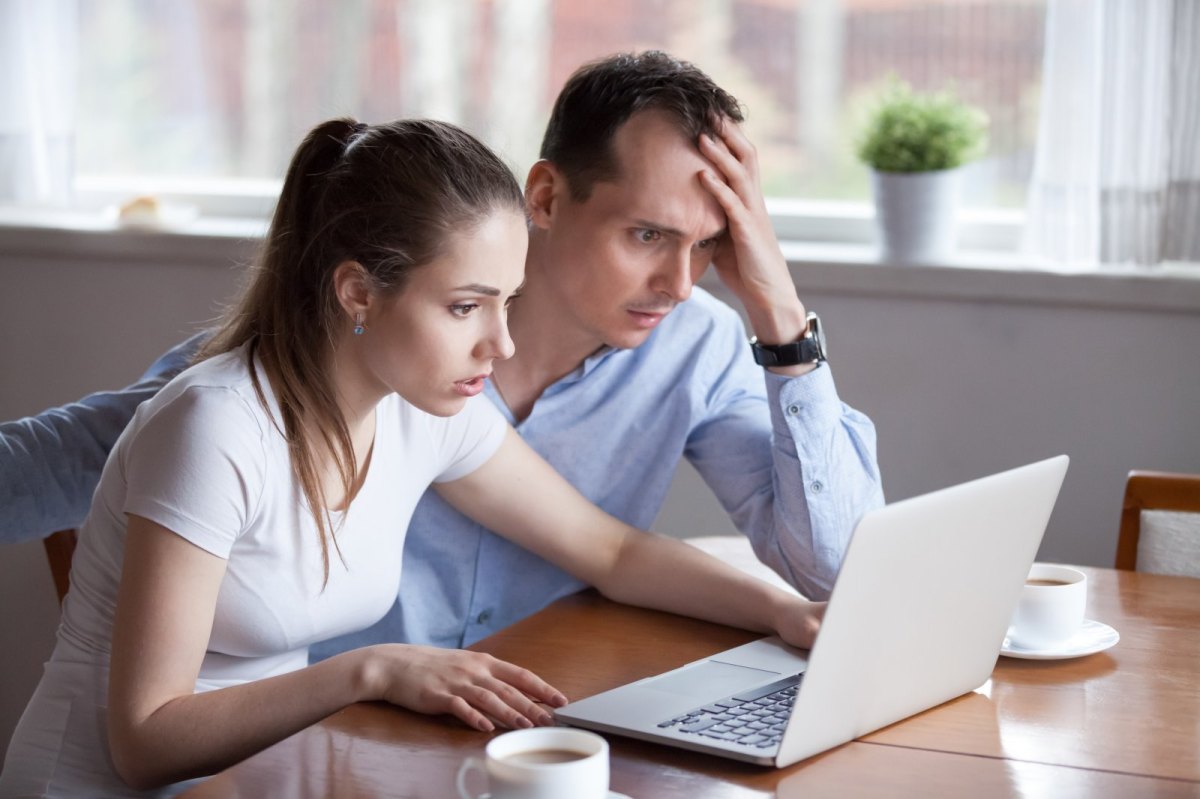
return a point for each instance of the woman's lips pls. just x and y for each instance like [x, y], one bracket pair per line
[469, 388]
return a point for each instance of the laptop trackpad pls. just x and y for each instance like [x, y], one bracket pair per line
[710, 680]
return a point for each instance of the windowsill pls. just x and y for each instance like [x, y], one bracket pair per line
[979, 276]
[991, 276]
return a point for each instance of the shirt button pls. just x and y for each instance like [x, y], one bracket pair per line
[817, 486]
[793, 409]
[483, 617]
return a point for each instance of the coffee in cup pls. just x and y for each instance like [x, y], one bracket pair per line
[541, 763]
[541, 756]
[1051, 607]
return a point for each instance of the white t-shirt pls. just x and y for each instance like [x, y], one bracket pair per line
[204, 459]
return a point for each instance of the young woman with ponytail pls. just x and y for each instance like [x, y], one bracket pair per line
[258, 503]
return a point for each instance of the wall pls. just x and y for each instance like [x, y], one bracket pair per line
[959, 387]
[964, 371]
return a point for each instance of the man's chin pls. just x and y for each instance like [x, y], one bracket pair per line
[627, 339]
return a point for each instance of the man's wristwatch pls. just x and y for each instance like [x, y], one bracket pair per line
[809, 349]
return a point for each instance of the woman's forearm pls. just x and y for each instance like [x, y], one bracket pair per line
[200, 734]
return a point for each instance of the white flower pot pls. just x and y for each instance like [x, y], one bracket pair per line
[916, 214]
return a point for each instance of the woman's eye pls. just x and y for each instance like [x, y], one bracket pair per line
[646, 236]
[463, 309]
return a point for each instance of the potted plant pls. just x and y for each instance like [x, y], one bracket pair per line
[915, 145]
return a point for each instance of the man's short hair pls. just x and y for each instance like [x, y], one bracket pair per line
[602, 95]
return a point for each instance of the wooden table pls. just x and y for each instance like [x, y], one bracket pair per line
[1122, 723]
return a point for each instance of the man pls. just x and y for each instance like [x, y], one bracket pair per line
[621, 368]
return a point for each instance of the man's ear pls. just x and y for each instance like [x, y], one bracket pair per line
[352, 286]
[545, 188]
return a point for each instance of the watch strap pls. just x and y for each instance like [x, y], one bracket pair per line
[808, 349]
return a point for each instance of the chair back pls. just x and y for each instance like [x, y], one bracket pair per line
[60, 547]
[1160, 524]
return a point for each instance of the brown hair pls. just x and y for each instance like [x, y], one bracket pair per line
[386, 196]
[602, 95]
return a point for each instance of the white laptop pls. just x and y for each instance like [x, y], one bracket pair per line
[917, 617]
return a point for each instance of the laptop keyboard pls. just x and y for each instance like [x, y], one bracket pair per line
[753, 718]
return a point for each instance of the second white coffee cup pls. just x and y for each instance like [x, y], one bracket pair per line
[1051, 608]
[541, 763]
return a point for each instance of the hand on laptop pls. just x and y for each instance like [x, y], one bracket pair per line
[479, 689]
[799, 622]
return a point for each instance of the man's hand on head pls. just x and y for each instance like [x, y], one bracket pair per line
[748, 259]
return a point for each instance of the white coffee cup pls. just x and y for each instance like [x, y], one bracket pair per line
[541, 763]
[1051, 608]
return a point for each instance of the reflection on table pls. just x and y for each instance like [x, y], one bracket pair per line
[1125, 722]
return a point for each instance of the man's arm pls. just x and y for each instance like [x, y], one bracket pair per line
[798, 484]
[793, 465]
[50, 463]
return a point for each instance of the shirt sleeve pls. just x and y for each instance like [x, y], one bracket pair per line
[469, 438]
[50, 463]
[196, 467]
[793, 465]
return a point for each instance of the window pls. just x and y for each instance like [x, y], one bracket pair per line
[217, 93]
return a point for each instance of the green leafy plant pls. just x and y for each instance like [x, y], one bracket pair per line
[909, 131]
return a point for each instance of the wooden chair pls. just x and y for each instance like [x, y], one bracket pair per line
[1160, 524]
[60, 547]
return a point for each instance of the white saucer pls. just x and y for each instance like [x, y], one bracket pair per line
[612, 794]
[1093, 636]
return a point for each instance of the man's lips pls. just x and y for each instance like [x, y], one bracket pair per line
[647, 318]
[471, 386]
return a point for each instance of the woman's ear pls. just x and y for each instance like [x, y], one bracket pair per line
[543, 189]
[353, 288]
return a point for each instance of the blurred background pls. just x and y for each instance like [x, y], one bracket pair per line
[223, 89]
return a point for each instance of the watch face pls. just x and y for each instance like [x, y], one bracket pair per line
[818, 334]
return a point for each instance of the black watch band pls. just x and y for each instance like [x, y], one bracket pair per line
[809, 349]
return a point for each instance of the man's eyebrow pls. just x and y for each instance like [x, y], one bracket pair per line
[479, 288]
[670, 231]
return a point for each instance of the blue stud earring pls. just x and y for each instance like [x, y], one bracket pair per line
[359, 327]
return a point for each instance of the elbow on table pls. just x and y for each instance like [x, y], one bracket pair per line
[136, 763]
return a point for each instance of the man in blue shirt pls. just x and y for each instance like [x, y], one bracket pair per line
[622, 366]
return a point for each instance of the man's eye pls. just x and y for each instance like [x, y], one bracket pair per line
[706, 244]
[463, 309]
[647, 236]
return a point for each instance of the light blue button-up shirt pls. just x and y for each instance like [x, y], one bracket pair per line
[794, 467]
[50, 464]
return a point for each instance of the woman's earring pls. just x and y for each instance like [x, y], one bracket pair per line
[359, 327]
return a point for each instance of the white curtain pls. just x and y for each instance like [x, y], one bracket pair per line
[38, 46]
[1117, 172]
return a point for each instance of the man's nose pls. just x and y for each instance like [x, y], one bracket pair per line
[674, 277]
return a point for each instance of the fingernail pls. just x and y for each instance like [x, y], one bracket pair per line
[560, 700]
[524, 723]
[547, 720]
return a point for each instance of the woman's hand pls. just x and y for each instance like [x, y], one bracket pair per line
[799, 622]
[479, 689]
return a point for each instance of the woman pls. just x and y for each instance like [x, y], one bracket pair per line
[252, 507]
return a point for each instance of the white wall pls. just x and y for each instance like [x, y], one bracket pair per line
[963, 374]
[960, 387]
